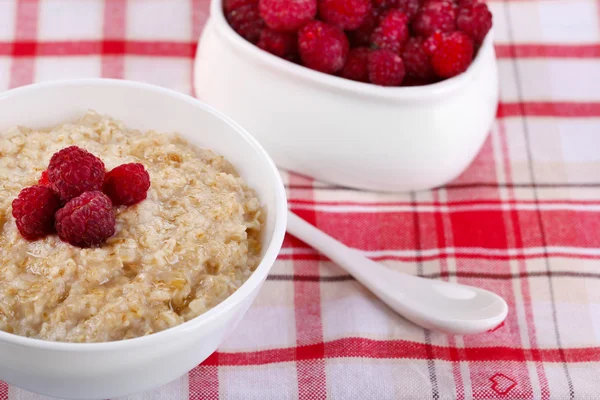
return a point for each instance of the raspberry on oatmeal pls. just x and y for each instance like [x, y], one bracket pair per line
[34, 210]
[127, 184]
[73, 171]
[87, 220]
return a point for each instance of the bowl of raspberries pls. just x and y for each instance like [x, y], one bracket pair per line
[386, 95]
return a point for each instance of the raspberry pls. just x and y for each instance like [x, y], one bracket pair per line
[34, 210]
[356, 67]
[385, 68]
[362, 35]
[87, 220]
[231, 5]
[44, 179]
[474, 19]
[246, 21]
[281, 44]
[432, 42]
[73, 171]
[322, 47]
[345, 14]
[287, 15]
[462, 3]
[435, 15]
[453, 54]
[392, 32]
[408, 7]
[127, 184]
[416, 60]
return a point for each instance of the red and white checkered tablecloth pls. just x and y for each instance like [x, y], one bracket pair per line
[523, 220]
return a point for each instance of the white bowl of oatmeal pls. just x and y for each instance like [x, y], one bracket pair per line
[181, 270]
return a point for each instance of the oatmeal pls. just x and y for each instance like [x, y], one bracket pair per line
[185, 248]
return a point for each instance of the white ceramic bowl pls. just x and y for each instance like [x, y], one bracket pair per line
[106, 370]
[345, 132]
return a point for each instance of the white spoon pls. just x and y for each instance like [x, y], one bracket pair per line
[433, 304]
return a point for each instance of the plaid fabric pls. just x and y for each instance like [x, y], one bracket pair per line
[523, 220]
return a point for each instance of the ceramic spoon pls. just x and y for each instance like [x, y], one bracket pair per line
[433, 304]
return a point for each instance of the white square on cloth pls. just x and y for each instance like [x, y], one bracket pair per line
[52, 68]
[69, 20]
[249, 382]
[7, 20]
[152, 70]
[153, 20]
[558, 21]
[377, 379]
[263, 328]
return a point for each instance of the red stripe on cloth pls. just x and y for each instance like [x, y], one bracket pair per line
[491, 231]
[22, 69]
[204, 379]
[452, 254]
[3, 391]
[114, 14]
[113, 62]
[549, 109]
[517, 237]
[484, 229]
[353, 347]
[310, 365]
[441, 228]
[161, 49]
[30, 48]
[534, 50]
[493, 202]
[199, 15]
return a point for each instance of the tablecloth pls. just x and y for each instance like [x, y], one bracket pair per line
[523, 220]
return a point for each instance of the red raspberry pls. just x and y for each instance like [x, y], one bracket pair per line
[453, 54]
[345, 14]
[409, 7]
[287, 15]
[392, 32]
[127, 184]
[462, 3]
[432, 42]
[246, 21]
[435, 15]
[322, 47]
[230, 5]
[416, 60]
[34, 210]
[384, 4]
[87, 220]
[281, 44]
[44, 179]
[362, 35]
[73, 171]
[474, 19]
[356, 67]
[385, 68]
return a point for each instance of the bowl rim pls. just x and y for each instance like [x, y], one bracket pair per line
[246, 289]
[308, 75]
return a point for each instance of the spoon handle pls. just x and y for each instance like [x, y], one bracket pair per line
[438, 305]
